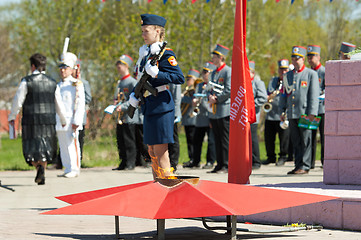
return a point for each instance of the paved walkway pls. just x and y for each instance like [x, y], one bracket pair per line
[20, 210]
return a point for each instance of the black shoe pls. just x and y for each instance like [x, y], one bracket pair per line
[42, 182]
[256, 166]
[119, 168]
[192, 165]
[40, 175]
[188, 164]
[268, 162]
[208, 166]
[130, 168]
[293, 171]
[281, 162]
[215, 170]
[223, 170]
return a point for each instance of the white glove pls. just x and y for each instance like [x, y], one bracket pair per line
[143, 51]
[133, 100]
[155, 47]
[151, 70]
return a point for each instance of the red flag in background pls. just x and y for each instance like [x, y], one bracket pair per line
[243, 111]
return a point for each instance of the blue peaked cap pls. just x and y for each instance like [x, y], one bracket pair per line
[151, 19]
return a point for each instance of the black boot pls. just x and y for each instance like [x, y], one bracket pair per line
[40, 175]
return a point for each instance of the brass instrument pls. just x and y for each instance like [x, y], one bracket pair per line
[211, 86]
[189, 91]
[121, 98]
[267, 107]
[195, 109]
[284, 124]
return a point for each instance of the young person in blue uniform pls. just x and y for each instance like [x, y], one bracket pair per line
[159, 113]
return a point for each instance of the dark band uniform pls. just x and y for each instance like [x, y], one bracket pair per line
[188, 120]
[302, 89]
[159, 110]
[126, 132]
[220, 119]
[313, 50]
[272, 123]
[202, 125]
[260, 97]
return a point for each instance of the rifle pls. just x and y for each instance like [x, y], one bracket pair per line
[143, 83]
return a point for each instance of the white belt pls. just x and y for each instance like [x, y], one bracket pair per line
[161, 88]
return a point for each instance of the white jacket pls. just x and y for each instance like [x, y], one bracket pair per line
[72, 94]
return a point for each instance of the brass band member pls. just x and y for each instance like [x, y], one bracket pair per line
[126, 126]
[222, 100]
[314, 59]
[302, 91]
[346, 48]
[202, 122]
[272, 123]
[260, 97]
[188, 121]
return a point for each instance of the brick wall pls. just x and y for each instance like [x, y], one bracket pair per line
[343, 123]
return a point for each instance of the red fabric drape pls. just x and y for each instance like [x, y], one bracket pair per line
[243, 111]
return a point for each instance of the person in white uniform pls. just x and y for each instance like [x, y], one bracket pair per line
[72, 93]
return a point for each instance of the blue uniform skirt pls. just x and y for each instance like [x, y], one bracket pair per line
[158, 128]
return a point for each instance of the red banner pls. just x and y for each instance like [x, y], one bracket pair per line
[243, 111]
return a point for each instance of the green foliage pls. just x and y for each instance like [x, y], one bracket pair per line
[101, 152]
[102, 31]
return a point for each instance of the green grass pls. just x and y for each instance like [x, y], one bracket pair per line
[97, 153]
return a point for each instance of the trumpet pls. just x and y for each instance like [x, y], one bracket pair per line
[267, 107]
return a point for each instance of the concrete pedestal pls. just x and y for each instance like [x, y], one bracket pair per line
[342, 164]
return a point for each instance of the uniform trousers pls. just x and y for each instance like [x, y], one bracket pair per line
[81, 141]
[301, 141]
[142, 150]
[256, 161]
[321, 128]
[220, 129]
[173, 148]
[126, 145]
[270, 131]
[190, 130]
[69, 150]
[199, 135]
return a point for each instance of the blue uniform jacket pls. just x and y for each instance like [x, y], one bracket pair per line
[169, 72]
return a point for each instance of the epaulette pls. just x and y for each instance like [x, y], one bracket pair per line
[169, 49]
